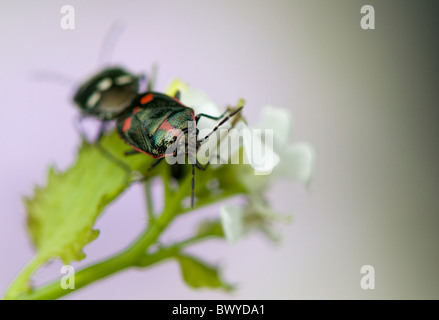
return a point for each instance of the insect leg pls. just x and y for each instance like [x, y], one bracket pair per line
[115, 160]
[131, 152]
[80, 128]
[102, 129]
[193, 187]
[153, 165]
[204, 167]
[198, 116]
[222, 122]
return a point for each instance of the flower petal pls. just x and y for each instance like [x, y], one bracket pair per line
[200, 102]
[232, 221]
[188, 95]
[280, 120]
[260, 154]
[194, 98]
[298, 163]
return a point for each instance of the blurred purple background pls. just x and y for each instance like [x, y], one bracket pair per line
[367, 101]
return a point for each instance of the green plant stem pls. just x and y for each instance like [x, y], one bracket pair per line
[21, 283]
[123, 260]
[111, 266]
[149, 202]
[136, 255]
[83, 277]
[171, 251]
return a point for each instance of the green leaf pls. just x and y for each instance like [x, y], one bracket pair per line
[61, 215]
[210, 228]
[198, 274]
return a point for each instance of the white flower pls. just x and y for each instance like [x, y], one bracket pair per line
[251, 140]
[279, 161]
[237, 221]
[296, 160]
[232, 221]
[296, 163]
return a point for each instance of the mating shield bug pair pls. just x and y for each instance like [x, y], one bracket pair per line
[151, 123]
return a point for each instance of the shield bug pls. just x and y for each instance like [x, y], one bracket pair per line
[161, 126]
[107, 94]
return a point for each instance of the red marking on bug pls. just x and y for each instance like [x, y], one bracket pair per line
[147, 98]
[136, 109]
[126, 125]
[169, 128]
[166, 126]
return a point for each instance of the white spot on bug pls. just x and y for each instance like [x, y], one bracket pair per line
[104, 84]
[93, 99]
[123, 80]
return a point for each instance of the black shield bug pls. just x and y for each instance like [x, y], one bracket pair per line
[107, 94]
[161, 126]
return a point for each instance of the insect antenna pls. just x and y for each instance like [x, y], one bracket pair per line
[53, 76]
[222, 122]
[109, 43]
[152, 78]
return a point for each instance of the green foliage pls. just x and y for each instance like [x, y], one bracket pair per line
[61, 215]
[210, 227]
[198, 274]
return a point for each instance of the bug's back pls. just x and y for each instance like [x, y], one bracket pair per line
[153, 123]
[108, 93]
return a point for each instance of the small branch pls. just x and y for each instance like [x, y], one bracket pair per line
[21, 283]
[111, 266]
[149, 202]
[135, 255]
[82, 278]
[123, 260]
[172, 250]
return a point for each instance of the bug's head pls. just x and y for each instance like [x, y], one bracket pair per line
[185, 143]
[107, 93]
